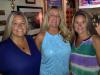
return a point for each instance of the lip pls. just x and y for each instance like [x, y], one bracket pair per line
[19, 30]
[80, 29]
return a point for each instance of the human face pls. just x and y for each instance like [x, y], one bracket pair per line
[19, 27]
[54, 18]
[80, 25]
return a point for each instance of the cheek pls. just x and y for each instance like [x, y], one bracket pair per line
[76, 29]
[50, 21]
[24, 27]
[58, 20]
[75, 26]
[14, 28]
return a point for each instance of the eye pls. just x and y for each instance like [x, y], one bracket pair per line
[23, 23]
[14, 23]
[76, 22]
[54, 15]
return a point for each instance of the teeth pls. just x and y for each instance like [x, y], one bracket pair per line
[20, 30]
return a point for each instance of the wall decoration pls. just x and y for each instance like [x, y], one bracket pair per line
[1, 33]
[12, 4]
[89, 4]
[2, 12]
[30, 1]
[2, 28]
[50, 3]
[33, 16]
[2, 22]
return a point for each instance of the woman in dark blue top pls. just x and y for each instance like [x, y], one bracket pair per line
[18, 53]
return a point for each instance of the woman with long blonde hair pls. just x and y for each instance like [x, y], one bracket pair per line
[53, 42]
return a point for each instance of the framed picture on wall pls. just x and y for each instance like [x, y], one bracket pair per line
[89, 4]
[30, 1]
[2, 28]
[32, 14]
[2, 23]
[2, 12]
[50, 3]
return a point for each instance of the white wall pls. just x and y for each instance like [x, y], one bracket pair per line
[5, 5]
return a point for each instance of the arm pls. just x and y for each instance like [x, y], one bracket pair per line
[98, 28]
[39, 39]
[96, 44]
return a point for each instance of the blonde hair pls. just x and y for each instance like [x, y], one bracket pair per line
[62, 27]
[8, 28]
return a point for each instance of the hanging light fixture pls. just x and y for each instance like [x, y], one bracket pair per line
[12, 4]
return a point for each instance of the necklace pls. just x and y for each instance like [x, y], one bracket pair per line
[22, 45]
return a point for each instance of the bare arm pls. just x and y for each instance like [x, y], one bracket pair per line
[96, 44]
[98, 28]
[39, 39]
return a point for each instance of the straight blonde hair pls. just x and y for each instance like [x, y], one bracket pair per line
[8, 28]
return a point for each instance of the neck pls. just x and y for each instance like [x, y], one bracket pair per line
[53, 30]
[18, 39]
[84, 36]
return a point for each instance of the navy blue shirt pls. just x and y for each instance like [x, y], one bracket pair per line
[13, 61]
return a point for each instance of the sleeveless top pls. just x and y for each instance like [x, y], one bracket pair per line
[55, 55]
[83, 59]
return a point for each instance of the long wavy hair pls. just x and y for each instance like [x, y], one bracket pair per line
[62, 26]
[8, 28]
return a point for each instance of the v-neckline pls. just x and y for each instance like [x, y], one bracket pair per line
[20, 49]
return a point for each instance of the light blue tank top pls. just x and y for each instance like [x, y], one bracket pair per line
[55, 55]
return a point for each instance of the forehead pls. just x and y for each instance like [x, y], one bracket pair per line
[80, 17]
[18, 17]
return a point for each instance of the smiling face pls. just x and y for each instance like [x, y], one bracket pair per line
[80, 25]
[19, 27]
[54, 18]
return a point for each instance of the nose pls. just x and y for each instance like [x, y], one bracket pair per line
[79, 24]
[19, 25]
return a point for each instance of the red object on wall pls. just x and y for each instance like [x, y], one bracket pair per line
[69, 15]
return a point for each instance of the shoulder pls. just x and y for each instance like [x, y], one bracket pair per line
[4, 45]
[96, 41]
[29, 37]
[40, 36]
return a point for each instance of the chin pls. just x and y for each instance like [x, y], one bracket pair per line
[20, 35]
